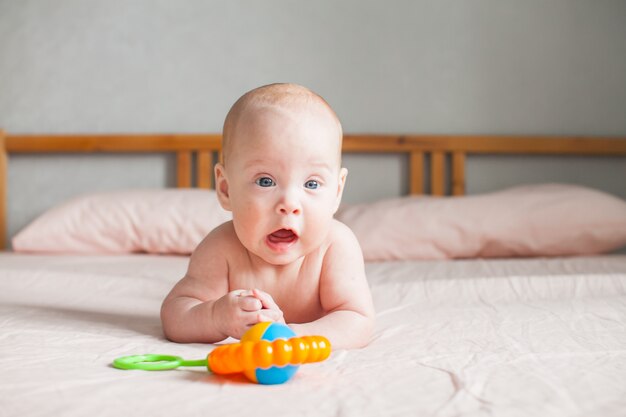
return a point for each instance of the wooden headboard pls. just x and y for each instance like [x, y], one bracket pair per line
[205, 149]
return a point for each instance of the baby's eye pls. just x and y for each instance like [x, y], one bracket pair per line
[265, 182]
[311, 184]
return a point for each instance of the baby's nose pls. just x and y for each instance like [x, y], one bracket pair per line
[289, 210]
[289, 205]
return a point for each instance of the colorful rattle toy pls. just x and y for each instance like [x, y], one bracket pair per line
[268, 353]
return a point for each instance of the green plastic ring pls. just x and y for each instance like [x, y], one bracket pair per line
[148, 362]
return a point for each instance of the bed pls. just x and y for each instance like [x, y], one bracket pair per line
[480, 335]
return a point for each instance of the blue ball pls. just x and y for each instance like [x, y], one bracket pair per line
[270, 332]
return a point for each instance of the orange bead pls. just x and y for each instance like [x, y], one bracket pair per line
[282, 352]
[325, 349]
[245, 357]
[312, 353]
[263, 354]
[300, 351]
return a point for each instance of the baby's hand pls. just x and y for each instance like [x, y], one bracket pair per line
[271, 311]
[239, 310]
[235, 312]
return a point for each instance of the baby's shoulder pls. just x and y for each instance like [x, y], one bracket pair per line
[340, 232]
[216, 251]
[221, 240]
[343, 256]
[342, 239]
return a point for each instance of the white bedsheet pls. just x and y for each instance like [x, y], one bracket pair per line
[501, 337]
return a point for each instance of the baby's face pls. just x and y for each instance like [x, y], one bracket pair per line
[283, 181]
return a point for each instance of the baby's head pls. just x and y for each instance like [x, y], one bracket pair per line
[290, 100]
[281, 172]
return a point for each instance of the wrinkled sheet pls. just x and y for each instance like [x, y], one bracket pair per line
[543, 337]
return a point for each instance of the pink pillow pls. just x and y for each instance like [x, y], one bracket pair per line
[534, 220]
[154, 221]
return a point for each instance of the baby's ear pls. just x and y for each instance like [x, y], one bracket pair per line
[343, 174]
[221, 186]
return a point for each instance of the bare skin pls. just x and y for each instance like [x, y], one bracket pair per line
[283, 257]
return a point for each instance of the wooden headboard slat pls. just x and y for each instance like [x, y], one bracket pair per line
[416, 174]
[204, 169]
[183, 169]
[437, 173]
[458, 173]
[545, 145]
[562, 145]
[113, 143]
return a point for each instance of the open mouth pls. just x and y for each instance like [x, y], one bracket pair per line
[282, 238]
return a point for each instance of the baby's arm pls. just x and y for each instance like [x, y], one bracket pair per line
[345, 296]
[201, 308]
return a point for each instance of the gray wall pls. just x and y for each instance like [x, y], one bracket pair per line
[439, 66]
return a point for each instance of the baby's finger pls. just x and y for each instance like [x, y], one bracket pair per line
[240, 293]
[263, 318]
[270, 315]
[250, 318]
[249, 303]
[266, 299]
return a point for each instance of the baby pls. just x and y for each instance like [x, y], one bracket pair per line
[283, 257]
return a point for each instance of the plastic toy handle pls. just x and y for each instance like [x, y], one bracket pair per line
[263, 354]
[152, 362]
